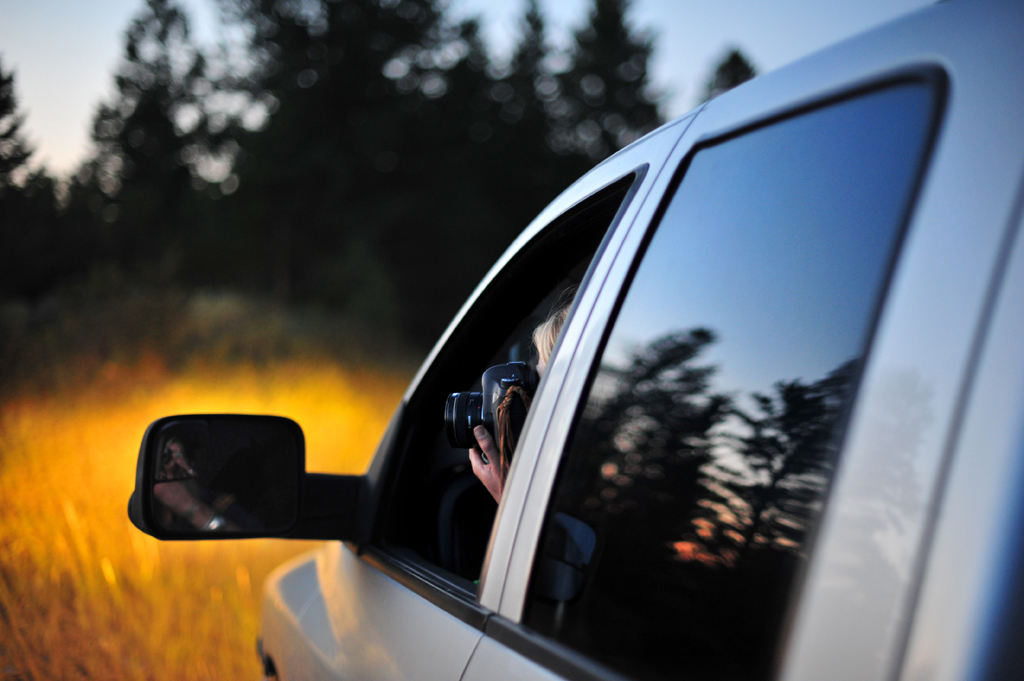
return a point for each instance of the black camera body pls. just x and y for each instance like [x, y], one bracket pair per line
[466, 410]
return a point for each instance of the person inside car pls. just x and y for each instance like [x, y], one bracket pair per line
[183, 503]
[492, 459]
[179, 505]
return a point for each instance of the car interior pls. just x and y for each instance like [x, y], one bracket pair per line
[438, 515]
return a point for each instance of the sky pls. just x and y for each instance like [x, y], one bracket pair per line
[741, 249]
[63, 52]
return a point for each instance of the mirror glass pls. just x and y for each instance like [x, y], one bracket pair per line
[226, 474]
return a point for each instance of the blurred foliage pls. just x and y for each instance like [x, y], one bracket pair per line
[365, 159]
[108, 323]
[608, 102]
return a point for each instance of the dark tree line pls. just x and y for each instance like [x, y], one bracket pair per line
[367, 156]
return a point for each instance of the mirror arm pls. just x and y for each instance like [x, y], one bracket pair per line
[330, 507]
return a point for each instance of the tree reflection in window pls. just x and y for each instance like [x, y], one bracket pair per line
[704, 498]
[764, 487]
[760, 472]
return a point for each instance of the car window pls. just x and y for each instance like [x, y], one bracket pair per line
[709, 434]
[439, 514]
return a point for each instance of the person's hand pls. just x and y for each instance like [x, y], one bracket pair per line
[177, 498]
[488, 473]
[182, 503]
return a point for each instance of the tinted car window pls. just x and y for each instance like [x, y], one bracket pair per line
[708, 438]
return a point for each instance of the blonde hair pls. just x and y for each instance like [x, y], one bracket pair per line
[545, 335]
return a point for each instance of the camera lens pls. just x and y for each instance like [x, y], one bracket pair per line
[462, 413]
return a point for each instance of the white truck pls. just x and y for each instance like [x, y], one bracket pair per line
[781, 435]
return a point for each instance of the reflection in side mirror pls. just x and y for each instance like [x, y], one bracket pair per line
[224, 475]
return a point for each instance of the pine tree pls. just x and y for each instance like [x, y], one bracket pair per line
[14, 149]
[346, 82]
[390, 154]
[535, 172]
[608, 101]
[38, 247]
[732, 70]
[527, 78]
[151, 140]
[373, 173]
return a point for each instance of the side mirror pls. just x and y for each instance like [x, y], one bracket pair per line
[563, 567]
[219, 476]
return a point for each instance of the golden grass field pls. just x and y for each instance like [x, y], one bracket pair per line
[83, 594]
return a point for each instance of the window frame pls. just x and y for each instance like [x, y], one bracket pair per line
[432, 582]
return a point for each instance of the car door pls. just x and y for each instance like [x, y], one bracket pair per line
[401, 602]
[655, 546]
[671, 513]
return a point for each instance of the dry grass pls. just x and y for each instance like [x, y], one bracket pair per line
[83, 594]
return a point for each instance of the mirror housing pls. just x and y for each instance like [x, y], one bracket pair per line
[232, 476]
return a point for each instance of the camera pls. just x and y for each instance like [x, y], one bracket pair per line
[466, 410]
